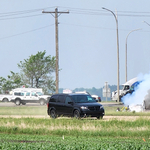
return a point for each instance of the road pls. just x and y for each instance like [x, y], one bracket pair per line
[10, 104]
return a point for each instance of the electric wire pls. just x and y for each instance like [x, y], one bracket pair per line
[26, 32]
[22, 12]
[96, 27]
[21, 17]
[3, 16]
[102, 12]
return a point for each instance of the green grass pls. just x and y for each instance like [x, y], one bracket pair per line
[31, 142]
[24, 110]
[42, 110]
[83, 127]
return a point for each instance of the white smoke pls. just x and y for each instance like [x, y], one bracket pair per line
[141, 92]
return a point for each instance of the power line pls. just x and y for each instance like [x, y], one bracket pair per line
[4, 16]
[21, 17]
[107, 14]
[65, 24]
[83, 13]
[73, 11]
[99, 12]
[85, 26]
[25, 32]
[23, 12]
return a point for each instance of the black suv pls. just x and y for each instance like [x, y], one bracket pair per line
[74, 105]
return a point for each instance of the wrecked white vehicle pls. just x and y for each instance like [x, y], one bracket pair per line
[125, 89]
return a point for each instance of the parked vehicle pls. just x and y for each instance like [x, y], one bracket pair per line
[10, 96]
[75, 105]
[97, 98]
[29, 95]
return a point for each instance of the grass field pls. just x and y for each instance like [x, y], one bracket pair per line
[72, 134]
[34, 142]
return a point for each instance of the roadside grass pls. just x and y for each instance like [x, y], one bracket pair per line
[24, 110]
[82, 127]
[112, 111]
[42, 110]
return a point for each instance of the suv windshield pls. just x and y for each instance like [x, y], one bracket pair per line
[83, 99]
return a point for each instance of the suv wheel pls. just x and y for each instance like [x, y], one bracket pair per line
[17, 102]
[76, 114]
[53, 114]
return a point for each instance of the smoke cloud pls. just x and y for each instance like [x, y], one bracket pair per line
[141, 92]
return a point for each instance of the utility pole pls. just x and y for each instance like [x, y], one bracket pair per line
[56, 12]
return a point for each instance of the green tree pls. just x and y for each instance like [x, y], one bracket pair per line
[36, 71]
[2, 82]
[12, 81]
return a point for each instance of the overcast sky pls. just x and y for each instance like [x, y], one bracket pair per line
[87, 38]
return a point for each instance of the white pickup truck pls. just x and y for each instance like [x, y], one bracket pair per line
[26, 95]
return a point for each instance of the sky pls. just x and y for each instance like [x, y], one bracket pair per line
[87, 38]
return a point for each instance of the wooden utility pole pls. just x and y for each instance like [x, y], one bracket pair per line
[56, 12]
